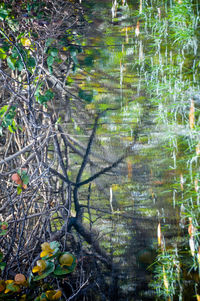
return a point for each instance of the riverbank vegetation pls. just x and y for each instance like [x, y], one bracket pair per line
[99, 144]
[44, 167]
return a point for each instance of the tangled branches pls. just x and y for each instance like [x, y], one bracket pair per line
[53, 167]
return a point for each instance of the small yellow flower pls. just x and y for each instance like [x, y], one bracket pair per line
[53, 295]
[46, 250]
[40, 267]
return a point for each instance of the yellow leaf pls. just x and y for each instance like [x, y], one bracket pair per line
[191, 115]
[198, 297]
[44, 253]
[40, 267]
[46, 250]
[53, 295]
[57, 295]
[66, 259]
[35, 269]
[25, 42]
[7, 282]
[159, 234]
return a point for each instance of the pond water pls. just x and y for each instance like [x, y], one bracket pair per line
[140, 63]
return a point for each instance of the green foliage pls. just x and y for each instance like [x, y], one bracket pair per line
[65, 266]
[53, 262]
[48, 265]
[7, 116]
[43, 99]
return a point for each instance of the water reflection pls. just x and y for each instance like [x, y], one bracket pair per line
[142, 60]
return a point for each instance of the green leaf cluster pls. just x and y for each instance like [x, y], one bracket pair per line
[44, 98]
[7, 116]
[52, 263]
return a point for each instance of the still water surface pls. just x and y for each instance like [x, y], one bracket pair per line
[140, 61]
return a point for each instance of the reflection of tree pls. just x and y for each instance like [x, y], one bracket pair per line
[33, 82]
